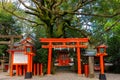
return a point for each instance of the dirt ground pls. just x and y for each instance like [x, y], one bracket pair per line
[59, 76]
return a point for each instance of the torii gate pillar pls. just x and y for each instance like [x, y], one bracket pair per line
[49, 58]
[78, 59]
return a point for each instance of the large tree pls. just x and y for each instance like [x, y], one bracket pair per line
[57, 17]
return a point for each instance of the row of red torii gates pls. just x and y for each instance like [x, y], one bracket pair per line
[64, 43]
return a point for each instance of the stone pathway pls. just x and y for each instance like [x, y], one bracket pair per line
[59, 76]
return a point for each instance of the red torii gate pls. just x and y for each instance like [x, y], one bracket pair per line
[64, 43]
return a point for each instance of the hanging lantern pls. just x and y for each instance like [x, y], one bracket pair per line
[101, 50]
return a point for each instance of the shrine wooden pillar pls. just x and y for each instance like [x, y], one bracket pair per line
[78, 59]
[41, 71]
[31, 63]
[29, 72]
[17, 71]
[49, 58]
[102, 64]
[11, 68]
[28, 65]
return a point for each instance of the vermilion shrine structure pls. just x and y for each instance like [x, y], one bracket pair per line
[51, 43]
[22, 55]
[63, 58]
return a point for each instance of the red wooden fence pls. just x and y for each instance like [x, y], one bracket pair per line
[20, 70]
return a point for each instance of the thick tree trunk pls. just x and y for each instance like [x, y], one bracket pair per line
[49, 31]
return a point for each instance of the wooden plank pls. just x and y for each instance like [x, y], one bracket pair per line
[10, 55]
[4, 42]
[9, 36]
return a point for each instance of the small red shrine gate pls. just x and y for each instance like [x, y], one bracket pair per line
[64, 43]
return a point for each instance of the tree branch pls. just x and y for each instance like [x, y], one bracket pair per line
[77, 7]
[41, 6]
[81, 31]
[87, 14]
[97, 15]
[57, 4]
[108, 28]
[32, 13]
[28, 7]
[19, 16]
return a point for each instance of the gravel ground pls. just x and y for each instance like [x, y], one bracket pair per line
[59, 76]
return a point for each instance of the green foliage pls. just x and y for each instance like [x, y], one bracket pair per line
[114, 69]
[7, 21]
[6, 17]
[3, 49]
[41, 54]
[39, 31]
[113, 49]
[7, 26]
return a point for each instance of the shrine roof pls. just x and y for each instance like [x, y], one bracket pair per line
[18, 50]
[102, 46]
[17, 44]
[24, 42]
